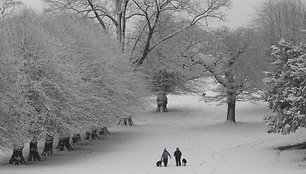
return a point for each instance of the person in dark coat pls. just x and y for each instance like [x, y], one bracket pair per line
[164, 157]
[178, 155]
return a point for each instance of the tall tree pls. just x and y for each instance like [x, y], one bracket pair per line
[287, 93]
[60, 74]
[109, 14]
[171, 54]
[166, 66]
[117, 14]
[231, 58]
[276, 19]
[193, 10]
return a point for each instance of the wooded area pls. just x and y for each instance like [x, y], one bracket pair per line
[82, 64]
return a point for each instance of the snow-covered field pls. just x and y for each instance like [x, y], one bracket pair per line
[210, 145]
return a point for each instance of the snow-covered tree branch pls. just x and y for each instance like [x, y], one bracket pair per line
[287, 92]
[59, 74]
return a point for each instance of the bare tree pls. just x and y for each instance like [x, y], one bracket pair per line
[108, 13]
[232, 60]
[193, 10]
[277, 19]
[117, 13]
[165, 67]
[8, 7]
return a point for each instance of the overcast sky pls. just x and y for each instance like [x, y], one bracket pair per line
[239, 15]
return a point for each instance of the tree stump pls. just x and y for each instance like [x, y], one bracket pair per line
[48, 148]
[17, 157]
[94, 134]
[91, 135]
[87, 135]
[33, 154]
[76, 138]
[104, 131]
[126, 121]
[64, 142]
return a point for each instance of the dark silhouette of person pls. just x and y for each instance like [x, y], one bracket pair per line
[178, 155]
[164, 157]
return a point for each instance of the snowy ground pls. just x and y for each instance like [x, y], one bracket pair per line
[210, 145]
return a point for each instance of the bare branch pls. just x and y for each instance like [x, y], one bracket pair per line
[8, 7]
[96, 14]
[179, 7]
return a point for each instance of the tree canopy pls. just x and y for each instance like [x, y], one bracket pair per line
[287, 93]
[276, 19]
[59, 74]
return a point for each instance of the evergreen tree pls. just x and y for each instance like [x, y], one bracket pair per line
[287, 93]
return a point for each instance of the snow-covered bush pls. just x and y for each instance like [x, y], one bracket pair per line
[287, 94]
[59, 74]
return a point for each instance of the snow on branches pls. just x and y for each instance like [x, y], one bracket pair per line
[61, 74]
[287, 93]
[169, 82]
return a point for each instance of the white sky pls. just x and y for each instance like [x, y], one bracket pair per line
[36, 4]
[239, 15]
[241, 12]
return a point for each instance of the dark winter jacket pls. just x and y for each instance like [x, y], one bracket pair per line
[165, 154]
[177, 154]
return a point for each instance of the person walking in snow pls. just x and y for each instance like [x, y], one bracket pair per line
[177, 155]
[164, 157]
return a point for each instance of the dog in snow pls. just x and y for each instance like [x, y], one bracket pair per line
[158, 163]
[184, 162]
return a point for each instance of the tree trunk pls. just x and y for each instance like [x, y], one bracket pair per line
[94, 134]
[91, 135]
[97, 15]
[87, 135]
[124, 24]
[146, 48]
[162, 102]
[231, 107]
[33, 153]
[76, 138]
[126, 121]
[104, 131]
[64, 142]
[48, 148]
[17, 156]
[119, 20]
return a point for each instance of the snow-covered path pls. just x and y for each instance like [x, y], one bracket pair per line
[198, 129]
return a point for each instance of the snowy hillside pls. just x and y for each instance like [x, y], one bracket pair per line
[210, 145]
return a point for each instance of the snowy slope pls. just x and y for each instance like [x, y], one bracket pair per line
[210, 145]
